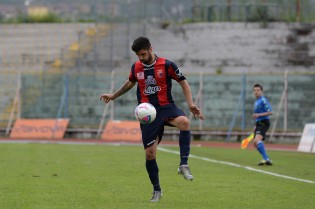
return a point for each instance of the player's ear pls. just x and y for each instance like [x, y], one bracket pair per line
[150, 49]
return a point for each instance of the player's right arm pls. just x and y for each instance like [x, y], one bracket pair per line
[123, 89]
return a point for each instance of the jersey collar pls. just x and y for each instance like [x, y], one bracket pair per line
[149, 66]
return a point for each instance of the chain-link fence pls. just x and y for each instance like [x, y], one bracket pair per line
[224, 99]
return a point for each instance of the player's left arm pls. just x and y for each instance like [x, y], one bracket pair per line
[257, 115]
[188, 95]
[265, 113]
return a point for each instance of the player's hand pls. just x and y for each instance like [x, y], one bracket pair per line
[106, 97]
[255, 115]
[196, 112]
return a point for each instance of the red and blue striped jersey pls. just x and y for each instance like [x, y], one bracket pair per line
[155, 81]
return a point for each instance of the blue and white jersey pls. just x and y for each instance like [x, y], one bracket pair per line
[262, 105]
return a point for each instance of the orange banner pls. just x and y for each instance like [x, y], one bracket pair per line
[40, 128]
[122, 131]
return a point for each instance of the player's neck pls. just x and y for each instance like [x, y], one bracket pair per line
[152, 61]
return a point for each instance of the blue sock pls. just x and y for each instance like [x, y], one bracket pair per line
[153, 172]
[262, 151]
[184, 146]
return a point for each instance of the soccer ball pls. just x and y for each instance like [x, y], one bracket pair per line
[145, 113]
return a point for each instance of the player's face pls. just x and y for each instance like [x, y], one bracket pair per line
[257, 92]
[145, 56]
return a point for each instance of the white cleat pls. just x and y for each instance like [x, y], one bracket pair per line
[185, 172]
[156, 196]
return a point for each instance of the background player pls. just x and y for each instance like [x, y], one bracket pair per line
[262, 110]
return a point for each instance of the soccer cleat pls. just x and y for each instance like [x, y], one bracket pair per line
[268, 162]
[185, 172]
[156, 196]
[265, 162]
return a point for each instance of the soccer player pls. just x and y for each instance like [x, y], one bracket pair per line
[154, 76]
[262, 111]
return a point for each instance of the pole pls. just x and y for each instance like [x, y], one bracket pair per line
[237, 107]
[201, 99]
[144, 17]
[161, 11]
[15, 105]
[198, 99]
[111, 43]
[285, 114]
[244, 103]
[112, 104]
[228, 10]
[128, 30]
[66, 96]
[100, 127]
[298, 10]
[19, 95]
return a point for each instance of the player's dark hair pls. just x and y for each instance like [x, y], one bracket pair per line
[141, 43]
[258, 85]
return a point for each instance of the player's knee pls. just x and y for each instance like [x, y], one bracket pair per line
[150, 154]
[184, 124]
[257, 140]
[255, 144]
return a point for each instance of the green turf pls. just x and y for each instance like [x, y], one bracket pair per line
[42, 176]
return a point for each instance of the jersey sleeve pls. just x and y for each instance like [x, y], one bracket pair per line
[266, 105]
[175, 72]
[132, 74]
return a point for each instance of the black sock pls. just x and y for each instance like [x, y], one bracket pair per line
[153, 172]
[184, 146]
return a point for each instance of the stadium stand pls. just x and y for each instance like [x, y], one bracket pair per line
[37, 48]
[211, 47]
[198, 47]
[237, 47]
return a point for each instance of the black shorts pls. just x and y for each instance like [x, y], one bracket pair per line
[262, 127]
[155, 130]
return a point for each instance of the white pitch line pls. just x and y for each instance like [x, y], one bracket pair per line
[239, 166]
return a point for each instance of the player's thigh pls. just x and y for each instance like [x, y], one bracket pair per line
[181, 122]
[258, 138]
[152, 132]
[261, 130]
[174, 116]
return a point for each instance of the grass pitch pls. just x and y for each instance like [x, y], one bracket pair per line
[73, 176]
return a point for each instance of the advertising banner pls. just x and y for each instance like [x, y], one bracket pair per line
[308, 138]
[122, 131]
[39, 128]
